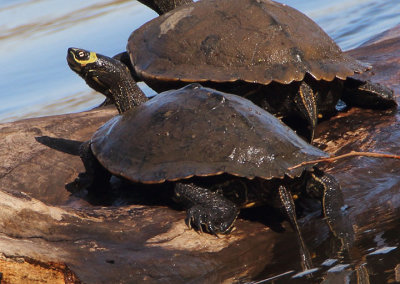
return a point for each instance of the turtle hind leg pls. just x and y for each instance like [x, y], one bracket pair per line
[325, 187]
[207, 210]
[366, 94]
[290, 211]
[306, 103]
[95, 177]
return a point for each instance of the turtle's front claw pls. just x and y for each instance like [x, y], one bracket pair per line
[202, 219]
[196, 218]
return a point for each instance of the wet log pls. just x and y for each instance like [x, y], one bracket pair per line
[42, 222]
[36, 169]
[127, 244]
[369, 130]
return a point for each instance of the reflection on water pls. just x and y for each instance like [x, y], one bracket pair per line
[351, 22]
[373, 258]
[34, 36]
[34, 77]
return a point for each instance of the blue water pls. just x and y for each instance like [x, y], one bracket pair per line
[35, 34]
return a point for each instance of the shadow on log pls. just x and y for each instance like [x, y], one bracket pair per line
[127, 243]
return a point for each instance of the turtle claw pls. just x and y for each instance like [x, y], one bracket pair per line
[188, 222]
[200, 219]
[207, 211]
[196, 218]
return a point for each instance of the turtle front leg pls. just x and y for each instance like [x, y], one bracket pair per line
[306, 103]
[368, 95]
[95, 175]
[290, 210]
[207, 210]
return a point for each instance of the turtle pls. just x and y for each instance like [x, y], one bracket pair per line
[221, 151]
[265, 51]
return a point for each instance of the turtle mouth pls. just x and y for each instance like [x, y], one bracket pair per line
[72, 62]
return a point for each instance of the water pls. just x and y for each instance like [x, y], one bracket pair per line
[34, 35]
[35, 79]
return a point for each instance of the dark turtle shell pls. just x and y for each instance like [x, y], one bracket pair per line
[199, 42]
[196, 131]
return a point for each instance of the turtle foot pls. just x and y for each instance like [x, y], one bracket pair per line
[207, 211]
[81, 183]
[206, 219]
[368, 95]
[85, 183]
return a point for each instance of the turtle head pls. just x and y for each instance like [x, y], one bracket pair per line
[96, 69]
[81, 60]
[106, 75]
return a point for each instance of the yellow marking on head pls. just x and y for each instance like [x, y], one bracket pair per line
[320, 115]
[92, 58]
[295, 196]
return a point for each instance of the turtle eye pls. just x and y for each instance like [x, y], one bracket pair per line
[82, 54]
